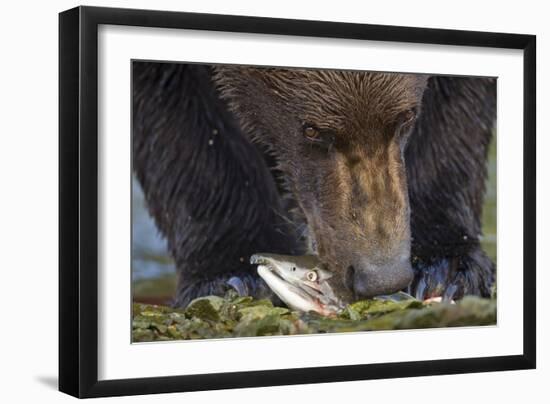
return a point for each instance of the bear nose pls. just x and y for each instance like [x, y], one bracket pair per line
[368, 280]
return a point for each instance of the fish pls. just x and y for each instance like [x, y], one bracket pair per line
[303, 283]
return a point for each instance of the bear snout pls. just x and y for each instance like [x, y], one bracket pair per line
[366, 279]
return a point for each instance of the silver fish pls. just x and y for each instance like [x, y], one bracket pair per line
[303, 283]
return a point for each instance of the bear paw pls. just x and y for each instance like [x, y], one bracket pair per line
[453, 277]
[244, 284]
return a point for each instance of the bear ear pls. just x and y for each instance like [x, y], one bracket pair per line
[269, 77]
[235, 74]
[239, 82]
[222, 72]
[235, 80]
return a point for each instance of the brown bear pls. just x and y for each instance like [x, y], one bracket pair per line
[382, 175]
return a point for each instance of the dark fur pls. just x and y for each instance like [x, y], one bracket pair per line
[211, 201]
[212, 192]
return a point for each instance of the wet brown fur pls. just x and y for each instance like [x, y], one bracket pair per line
[384, 192]
[354, 197]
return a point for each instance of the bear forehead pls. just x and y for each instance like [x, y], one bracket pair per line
[334, 95]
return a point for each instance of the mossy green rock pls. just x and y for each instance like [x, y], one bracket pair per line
[369, 308]
[205, 308]
[235, 316]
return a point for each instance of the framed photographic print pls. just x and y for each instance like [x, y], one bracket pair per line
[250, 201]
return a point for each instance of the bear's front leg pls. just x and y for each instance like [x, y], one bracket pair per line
[446, 161]
[453, 277]
[210, 190]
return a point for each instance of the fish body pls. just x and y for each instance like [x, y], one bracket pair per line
[303, 283]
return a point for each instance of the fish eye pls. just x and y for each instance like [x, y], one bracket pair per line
[294, 268]
[311, 276]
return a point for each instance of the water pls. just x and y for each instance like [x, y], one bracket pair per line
[150, 257]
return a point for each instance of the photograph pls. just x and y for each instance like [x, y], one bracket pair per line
[250, 201]
[277, 201]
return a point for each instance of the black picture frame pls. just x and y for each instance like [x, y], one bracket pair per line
[78, 201]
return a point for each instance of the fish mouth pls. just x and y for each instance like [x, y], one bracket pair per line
[297, 294]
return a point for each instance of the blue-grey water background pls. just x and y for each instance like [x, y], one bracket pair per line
[153, 271]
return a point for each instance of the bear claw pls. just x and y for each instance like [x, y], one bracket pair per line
[240, 287]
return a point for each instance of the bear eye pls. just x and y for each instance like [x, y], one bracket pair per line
[311, 133]
[405, 123]
[408, 117]
[321, 138]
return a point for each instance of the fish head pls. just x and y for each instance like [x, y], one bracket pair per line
[303, 282]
